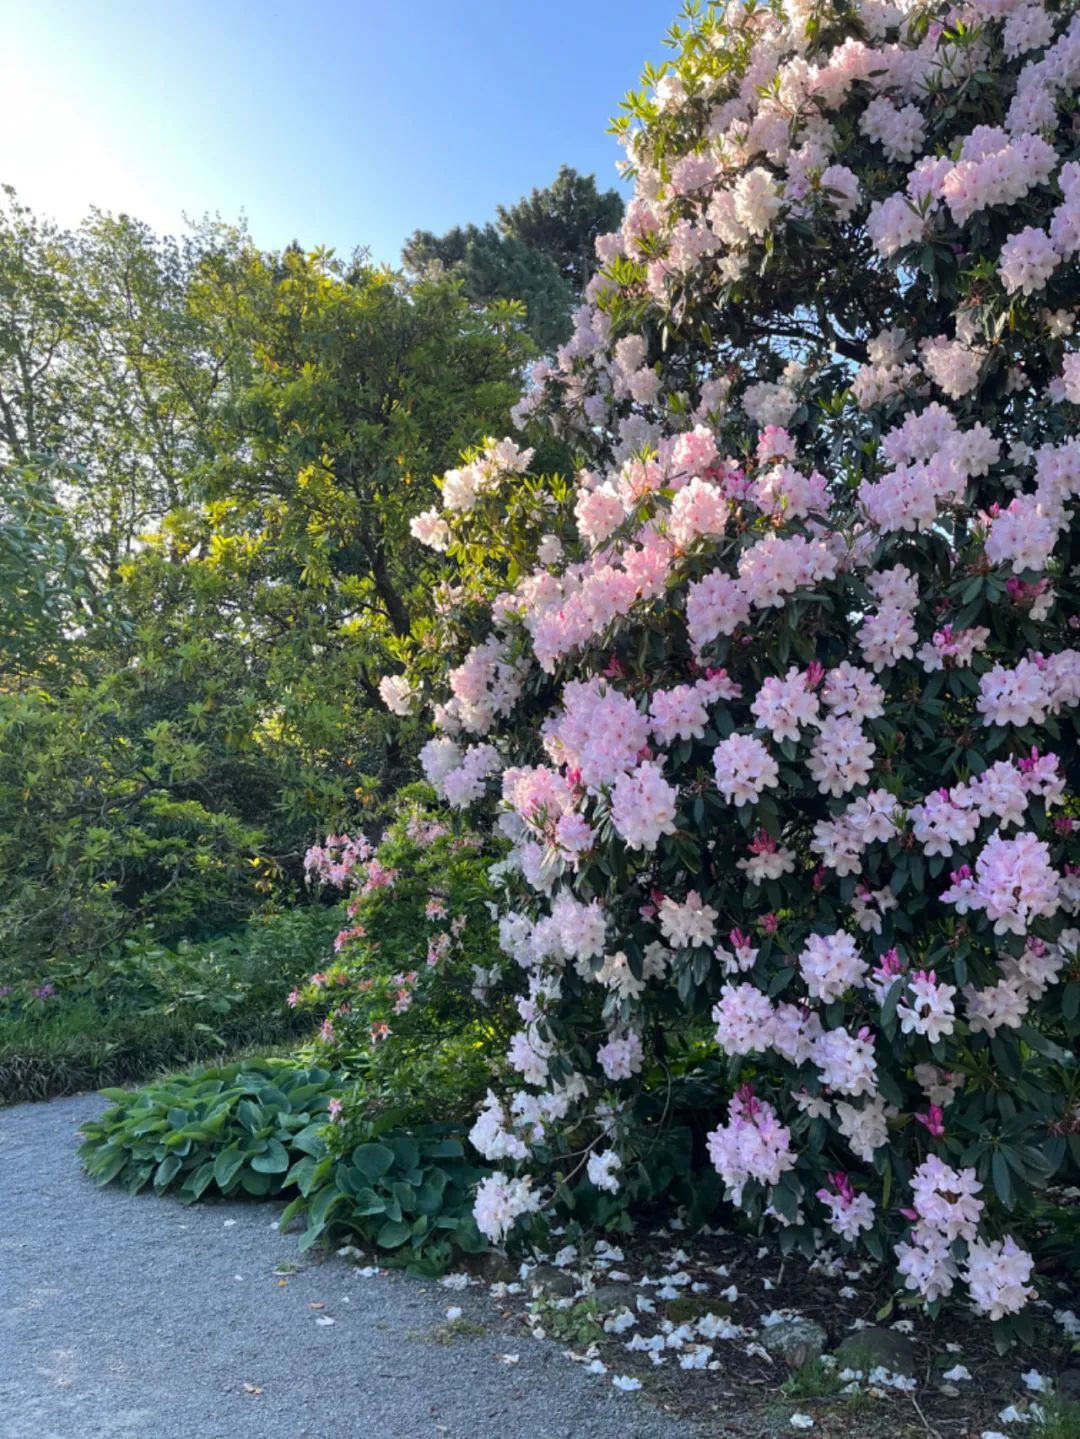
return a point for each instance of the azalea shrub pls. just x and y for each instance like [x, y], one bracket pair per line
[776, 696]
[416, 993]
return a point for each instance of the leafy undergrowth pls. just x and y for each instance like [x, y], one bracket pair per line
[237, 1129]
[406, 1195]
[146, 1008]
[258, 1128]
[81, 1048]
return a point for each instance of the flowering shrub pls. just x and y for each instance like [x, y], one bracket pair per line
[415, 992]
[778, 697]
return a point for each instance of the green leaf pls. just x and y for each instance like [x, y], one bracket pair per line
[274, 1161]
[405, 1195]
[255, 1184]
[325, 1202]
[250, 1115]
[108, 1172]
[226, 1165]
[1003, 1187]
[1070, 1001]
[309, 1141]
[200, 1180]
[167, 1171]
[428, 1199]
[393, 1235]
[405, 1149]
[301, 1171]
[368, 1202]
[291, 1210]
[373, 1160]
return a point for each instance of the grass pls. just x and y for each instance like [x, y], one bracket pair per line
[1062, 1420]
[812, 1381]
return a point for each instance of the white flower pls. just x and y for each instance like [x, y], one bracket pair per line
[956, 1374]
[801, 1421]
[1036, 1382]
[626, 1382]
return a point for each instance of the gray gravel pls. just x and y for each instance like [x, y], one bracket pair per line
[135, 1318]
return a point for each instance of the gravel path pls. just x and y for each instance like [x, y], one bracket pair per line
[135, 1318]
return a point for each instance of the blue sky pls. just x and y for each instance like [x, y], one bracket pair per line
[339, 123]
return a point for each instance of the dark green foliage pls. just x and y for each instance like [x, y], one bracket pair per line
[44, 585]
[407, 1195]
[84, 1049]
[115, 811]
[492, 266]
[145, 1007]
[563, 221]
[541, 252]
[226, 1131]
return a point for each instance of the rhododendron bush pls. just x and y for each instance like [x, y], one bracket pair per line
[415, 993]
[777, 696]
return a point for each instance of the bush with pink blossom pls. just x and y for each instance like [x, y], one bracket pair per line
[777, 696]
[414, 994]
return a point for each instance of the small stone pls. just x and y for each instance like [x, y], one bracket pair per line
[871, 1347]
[799, 1341]
[552, 1280]
[614, 1296]
[492, 1266]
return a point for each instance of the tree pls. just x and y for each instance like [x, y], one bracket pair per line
[108, 378]
[541, 252]
[208, 461]
[47, 597]
[491, 267]
[364, 386]
[564, 221]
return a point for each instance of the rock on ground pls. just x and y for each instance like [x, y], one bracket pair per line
[134, 1318]
[870, 1348]
[800, 1341]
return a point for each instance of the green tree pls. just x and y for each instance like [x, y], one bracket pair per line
[541, 252]
[492, 266]
[208, 461]
[108, 377]
[562, 221]
[47, 596]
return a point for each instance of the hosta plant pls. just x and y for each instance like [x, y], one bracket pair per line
[234, 1130]
[408, 1196]
[778, 695]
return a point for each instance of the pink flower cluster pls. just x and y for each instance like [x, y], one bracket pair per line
[865, 514]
